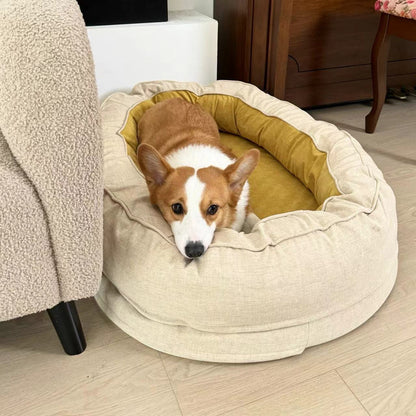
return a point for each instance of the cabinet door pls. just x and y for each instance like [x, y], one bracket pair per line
[330, 50]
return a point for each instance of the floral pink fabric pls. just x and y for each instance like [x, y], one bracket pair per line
[402, 8]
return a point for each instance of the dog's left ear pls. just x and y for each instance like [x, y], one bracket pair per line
[240, 170]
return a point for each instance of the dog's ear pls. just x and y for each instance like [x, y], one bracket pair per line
[240, 170]
[154, 167]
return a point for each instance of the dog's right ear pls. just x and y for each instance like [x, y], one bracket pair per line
[154, 167]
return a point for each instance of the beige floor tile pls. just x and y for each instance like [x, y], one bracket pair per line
[326, 395]
[34, 334]
[385, 382]
[124, 378]
[116, 375]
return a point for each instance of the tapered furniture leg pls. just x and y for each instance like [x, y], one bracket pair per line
[379, 55]
[65, 319]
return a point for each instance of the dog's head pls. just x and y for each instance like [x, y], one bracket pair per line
[195, 202]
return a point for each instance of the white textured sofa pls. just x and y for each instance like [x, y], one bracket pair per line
[50, 165]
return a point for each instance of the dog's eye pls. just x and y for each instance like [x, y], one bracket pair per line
[212, 209]
[177, 208]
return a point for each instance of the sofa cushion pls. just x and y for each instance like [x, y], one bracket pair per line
[28, 281]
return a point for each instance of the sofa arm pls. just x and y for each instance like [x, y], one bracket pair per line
[49, 116]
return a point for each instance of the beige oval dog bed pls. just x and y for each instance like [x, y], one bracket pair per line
[316, 259]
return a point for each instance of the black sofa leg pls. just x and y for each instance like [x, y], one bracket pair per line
[65, 319]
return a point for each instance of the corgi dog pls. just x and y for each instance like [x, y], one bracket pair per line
[197, 184]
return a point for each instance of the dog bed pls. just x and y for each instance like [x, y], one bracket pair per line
[317, 257]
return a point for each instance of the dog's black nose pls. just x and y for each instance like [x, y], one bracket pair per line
[194, 249]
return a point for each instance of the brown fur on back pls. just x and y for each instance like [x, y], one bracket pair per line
[175, 123]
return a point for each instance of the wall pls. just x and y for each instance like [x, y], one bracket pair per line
[202, 6]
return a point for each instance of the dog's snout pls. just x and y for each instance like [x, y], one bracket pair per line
[194, 249]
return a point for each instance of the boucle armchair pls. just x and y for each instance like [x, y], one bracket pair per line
[50, 165]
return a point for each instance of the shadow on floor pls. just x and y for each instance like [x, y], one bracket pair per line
[399, 158]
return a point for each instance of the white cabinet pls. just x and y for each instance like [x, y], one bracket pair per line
[182, 49]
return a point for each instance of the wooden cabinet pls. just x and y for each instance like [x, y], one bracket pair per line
[308, 52]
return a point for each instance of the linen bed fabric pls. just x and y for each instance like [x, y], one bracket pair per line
[287, 282]
[50, 158]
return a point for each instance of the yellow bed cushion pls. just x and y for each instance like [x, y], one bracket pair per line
[292, 173]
